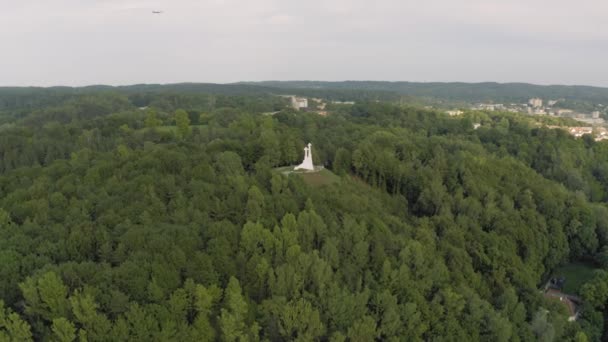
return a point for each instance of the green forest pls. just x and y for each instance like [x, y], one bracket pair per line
[142, 214]
[584, 98]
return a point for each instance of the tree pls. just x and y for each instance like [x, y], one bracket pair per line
[342, 161]
[234, 314]
[580, 337]
[63, 330]
[388, 310]
[10, 265]
[182, 120]
[595, 292]
[543, 330]
[12, 327]
[45, 296]
[363, 330]
[151, 119]
[84, 309]
[255, 204]
[602, 257]
[5, 218]
[299, 321]
[270, 144]
[204, 300]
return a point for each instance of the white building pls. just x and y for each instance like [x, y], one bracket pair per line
[535, 102]
[299, 102]
[486, 106]
[562, 112]
[454, 112]
[578, 132]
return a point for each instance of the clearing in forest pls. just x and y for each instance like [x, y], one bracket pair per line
[312, 178]
[575, 275]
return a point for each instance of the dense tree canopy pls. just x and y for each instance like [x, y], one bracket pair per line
[170, 223]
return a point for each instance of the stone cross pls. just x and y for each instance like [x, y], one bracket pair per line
[307, 163]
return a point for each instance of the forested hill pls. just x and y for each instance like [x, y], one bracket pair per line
[452, 93]
[36, 97]
[457, 91]
[171, 223]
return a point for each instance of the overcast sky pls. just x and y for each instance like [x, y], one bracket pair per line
[81, 42]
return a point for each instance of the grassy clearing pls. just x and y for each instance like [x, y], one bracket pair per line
[323, 177]
[576, 275]
[315, 179]
[169, 129]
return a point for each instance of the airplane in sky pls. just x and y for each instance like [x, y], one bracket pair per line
[157, 12]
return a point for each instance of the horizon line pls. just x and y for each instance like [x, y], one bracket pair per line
[257, 83]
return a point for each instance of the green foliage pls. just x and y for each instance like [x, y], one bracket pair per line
[234, 314]
[575, 275]
[299, 321]
[63, 330]
[342, 161]
[575, 97]
[183, 123]
[110, 231]
[602, 257]
[255, 204]
[46, 296]
[13, 327]
[151, 119]
[5, 219]
[543, 330]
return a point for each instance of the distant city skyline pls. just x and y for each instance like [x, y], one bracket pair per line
[121, 42]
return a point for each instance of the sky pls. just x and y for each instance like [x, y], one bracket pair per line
[119, 42]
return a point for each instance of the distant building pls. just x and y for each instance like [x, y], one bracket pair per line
[319, 103]
[602, 135]
[590, 121]
[535, 102]
[595, 115]
[299, 102]
[454, 112]
[578, 132]
[490, 106]
[551, 103]
[562, 112]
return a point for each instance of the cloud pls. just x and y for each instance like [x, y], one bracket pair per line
[280, 19]
[120, 41]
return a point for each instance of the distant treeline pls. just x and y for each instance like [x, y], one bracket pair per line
[461, 92]
[582, 98]
[27, 98]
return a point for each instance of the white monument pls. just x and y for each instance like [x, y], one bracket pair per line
[307, 163]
